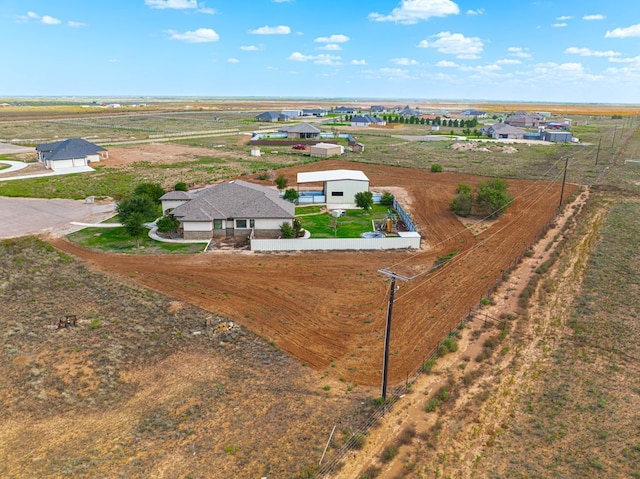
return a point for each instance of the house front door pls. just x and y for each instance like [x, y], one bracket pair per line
[230, 229]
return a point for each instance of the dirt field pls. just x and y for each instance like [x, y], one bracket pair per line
[328, 309]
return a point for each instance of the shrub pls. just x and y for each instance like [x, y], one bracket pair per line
[167, 224]
[180, 186]
[492, 197]
[436, 168]
[371, 472]
[427, 366]
[387, 199]
[388, 453]
[95, 324]
[287, 231]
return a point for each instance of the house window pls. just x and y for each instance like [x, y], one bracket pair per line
[217, 224]
[337, 193]
[241, 224]
[252, 223]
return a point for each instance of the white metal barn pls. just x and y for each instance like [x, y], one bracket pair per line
[339, 186]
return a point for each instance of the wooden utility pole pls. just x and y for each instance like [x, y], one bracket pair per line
[387, 332]
[564, 179]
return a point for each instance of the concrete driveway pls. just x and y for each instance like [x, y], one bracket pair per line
[29, 216]
[8, 148]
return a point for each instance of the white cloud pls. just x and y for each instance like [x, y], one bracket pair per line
[47, 20]
[447, 64]
[299, 57]
[395, 73]
[330, 47]
[321, 59]
[634, 60]
[267, 30]
[632, 31]
[201, 35]
[587, 52]
[358, 62]
[404, 61]
[33, 15]
[455, 44]
[518, 52]
[233, 60]
[564, 17]
[173, 4]
[479, 11]
[412, 11]
[559, 25]
[252, 48]
[509, 61]
[333, 39]
[594, 17]
[206, 10]
[73, 24]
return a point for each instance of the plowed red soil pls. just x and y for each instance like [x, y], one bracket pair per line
[329, 309]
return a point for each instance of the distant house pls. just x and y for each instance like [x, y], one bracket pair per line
[357, 147]
[301, 131]
[504, 131]
[233, 208]
[377, 109]
[345, 110]
[325, 150]
[525, 120]
[271, 116]
[339, 186]
[71, 153]
[475, 113]
[367, 120]
[292, 113]
[314, 112]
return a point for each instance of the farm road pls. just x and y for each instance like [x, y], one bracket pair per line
[27, 216]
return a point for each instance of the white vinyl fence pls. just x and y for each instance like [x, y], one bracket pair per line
[406, 241]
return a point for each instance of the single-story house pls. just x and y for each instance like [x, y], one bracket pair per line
[271, 116]
[525, 120]
[233, 208]
[71, 153]
[339, 186]
[345, 110]
[502, 130]
[302, 131]
[557, 136]
[292, 113]
[476, 113]
[377, 109]
[314, 112]
[367, 120]
[325, 150]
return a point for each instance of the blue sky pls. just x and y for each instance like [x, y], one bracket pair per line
[511, 50]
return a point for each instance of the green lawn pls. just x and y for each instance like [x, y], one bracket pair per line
[308, 210]
[349, 226]
[116, 240]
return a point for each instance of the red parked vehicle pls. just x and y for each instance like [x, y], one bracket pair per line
[299, 147]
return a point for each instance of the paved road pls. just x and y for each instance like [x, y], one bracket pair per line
[28, 216]
[7, 149]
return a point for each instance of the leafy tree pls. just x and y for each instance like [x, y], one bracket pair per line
[291, 195]
[152, 190]
[456, 123]
[134, 226]
[281, 182]
[167, 224]
[364, 200]
[181, 186]
[387, 199]
[492, 197]
[287, 231]
[463, 201]
[142, 205]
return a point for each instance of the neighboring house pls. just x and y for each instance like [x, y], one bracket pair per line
[504, 131]
[435, 127]
[271, 116]
[377, 109]
[71, 153]
[325, 150]
[314, 112]
[367, 120]
[301, 131]
[345, 110]
[476, 113]
[339, 186]
[233, 208]
[525, 120]
[292, 113]
[357, 147]
[557, 136]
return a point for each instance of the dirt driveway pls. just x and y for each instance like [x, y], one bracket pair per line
[27, 216]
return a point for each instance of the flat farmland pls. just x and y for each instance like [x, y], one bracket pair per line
[328, 309]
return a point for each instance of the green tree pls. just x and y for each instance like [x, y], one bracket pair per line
[463, 201]
[364, 200]
[287, 231]
[167, 224]
[281, 182]
[181, 186]
[492, 197]
[134, 226]
[137, 204]
[291, 195]
[152, 190]
[387, 199]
